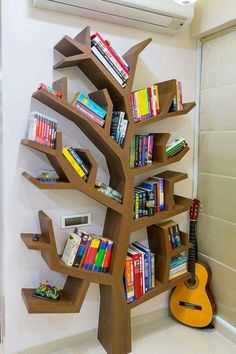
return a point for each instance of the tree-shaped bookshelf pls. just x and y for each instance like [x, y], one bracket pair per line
[114, 319]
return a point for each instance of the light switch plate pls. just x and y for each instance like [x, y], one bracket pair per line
[75, 220]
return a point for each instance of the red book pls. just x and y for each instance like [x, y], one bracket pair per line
[87, 112]
[89, 259]
[150, 99]
[137, 275]
[111, 50]
[107, 257]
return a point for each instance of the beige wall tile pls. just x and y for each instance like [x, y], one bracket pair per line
[218, 108]
[223, 285]
[217, 153]
[218, 196]
[217, 239]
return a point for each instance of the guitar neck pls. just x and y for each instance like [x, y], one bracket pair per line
[192, 254]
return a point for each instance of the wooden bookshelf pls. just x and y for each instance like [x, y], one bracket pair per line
[114, 317]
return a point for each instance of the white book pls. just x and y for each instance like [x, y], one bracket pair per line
[71, 248]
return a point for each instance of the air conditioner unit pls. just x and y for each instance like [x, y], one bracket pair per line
[162, 16]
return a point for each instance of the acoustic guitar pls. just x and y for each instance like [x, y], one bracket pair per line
[192, 302]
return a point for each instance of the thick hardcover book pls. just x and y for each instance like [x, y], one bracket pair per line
[73, 163]
[71, 248]
[129, 279]
[100, 255]
[91, 254]
[148, 263]
[88, 113]
[101, 58]
[136, 262]
[90, 104]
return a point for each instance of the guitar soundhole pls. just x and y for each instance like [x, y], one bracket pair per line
[192, 283]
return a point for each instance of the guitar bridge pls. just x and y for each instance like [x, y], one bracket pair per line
[190, 306]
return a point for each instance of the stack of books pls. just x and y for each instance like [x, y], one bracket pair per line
[112, 60]
[141, 150]
[177, 103]
[72, 156]
[108, 191]
[119, 127]
[139, 274]
[87, 251]
[145, 103]
[90, 108]
[42, 129]
[175, 147]
[149, 197]
[178, 266]
[174, 235]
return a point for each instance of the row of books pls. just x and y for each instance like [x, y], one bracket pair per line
[119, 127]
[175, 147]
[178, 266]
[145, 103]
[110, 58]
[42, 129]
[139, 273]
[141, 150]
[173, 232]
[72, 156]
[177, 103]
[108, 191]
[149, 197]
[87, 251]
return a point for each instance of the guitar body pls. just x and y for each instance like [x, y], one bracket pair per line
[193, 305]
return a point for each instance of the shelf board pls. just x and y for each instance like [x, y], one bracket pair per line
[159, 288]
[187, 108]
[89, 275]
[35, 245]
[181, 205]
[178, 250]
[37, 305]
[154, 165]
[82, 186]
[39, 147]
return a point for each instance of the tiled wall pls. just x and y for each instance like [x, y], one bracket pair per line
[217, 170]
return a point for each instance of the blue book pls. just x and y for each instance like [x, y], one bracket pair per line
[90, 104]
[149, 261]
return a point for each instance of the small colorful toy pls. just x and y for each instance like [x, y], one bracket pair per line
[47, 292]
[50, 90]
[48, 176]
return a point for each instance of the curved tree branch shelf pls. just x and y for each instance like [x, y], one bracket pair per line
[114, 317]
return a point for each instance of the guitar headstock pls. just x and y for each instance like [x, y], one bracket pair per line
[194, 210]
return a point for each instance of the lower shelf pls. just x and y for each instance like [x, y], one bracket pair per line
[36, 305]
[159, 288]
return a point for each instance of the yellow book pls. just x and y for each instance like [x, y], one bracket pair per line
[145, 103]
[73, 163]
[140, 108]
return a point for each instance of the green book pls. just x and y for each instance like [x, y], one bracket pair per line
[132, 153]
[100, 255]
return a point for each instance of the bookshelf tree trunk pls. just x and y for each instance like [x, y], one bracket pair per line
[114, 330]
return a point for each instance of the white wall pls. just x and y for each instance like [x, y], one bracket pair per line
[212, 16]
[28, 38]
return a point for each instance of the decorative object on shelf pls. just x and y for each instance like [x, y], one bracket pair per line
[192, 302]
[36, 237]
[108, 191]
[47, 292]
[50, 89]
[47, 176]
[114, 315]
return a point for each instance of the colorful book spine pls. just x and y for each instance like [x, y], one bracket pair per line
[101, 58]
[90, 104]
[136, 264]
[153, 270]
[42, 129]
[100, 255]
[78, 160]
[73, 163]
[129, 280]
[107, 257]
[88, 113]
[91, 254]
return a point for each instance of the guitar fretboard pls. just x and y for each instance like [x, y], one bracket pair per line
[192, 254]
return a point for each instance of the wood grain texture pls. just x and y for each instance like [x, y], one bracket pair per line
[114, 330]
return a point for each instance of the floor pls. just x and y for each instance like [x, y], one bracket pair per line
[164, 336]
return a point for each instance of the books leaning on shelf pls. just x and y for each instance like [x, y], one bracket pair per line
[145, 103]
[87, 251]
[119, 127]
[178, 266]
[108, 191]
[91, 109]
[72, 156]
[139, 273]
[173, 232]
[141, 150]
[42, 129]
[112, 61]
[175, 147]
[177, 103]
[149, 197]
